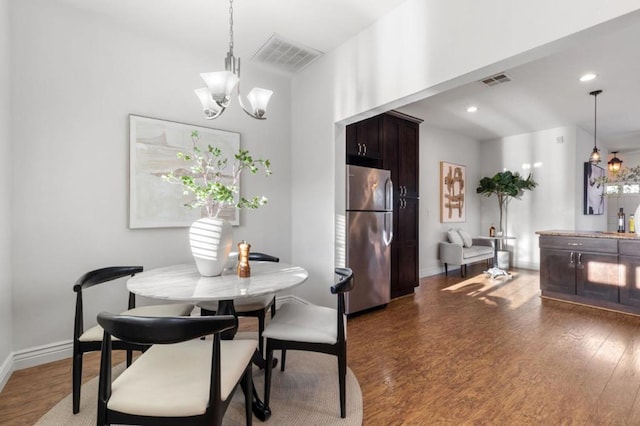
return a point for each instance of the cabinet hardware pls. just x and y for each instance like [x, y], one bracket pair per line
[365, 149]
[571, 259]
[575, 244]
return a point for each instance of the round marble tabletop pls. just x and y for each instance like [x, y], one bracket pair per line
[185, 284]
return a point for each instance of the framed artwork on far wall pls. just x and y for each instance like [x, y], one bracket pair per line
[593, 189]
[452, 192]
[154, 145]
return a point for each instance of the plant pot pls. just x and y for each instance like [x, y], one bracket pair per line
[211, 240]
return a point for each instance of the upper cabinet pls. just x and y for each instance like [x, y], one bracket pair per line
[363, 143]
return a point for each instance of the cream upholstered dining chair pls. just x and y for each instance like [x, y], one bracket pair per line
[181, 379]
[90, 340]
[255, 307]
[298, 326]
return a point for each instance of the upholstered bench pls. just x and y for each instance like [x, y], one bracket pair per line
[463, 251]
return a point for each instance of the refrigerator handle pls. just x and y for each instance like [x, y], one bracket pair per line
[388, 198]
[387, 235]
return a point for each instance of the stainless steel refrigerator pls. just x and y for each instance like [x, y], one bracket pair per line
[369, 234]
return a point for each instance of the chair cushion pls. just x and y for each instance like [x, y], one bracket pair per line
[477, 251]
[94, 334]
[173, 380]
[304, 323]
[466, 238]
[244, 304]
[454, 237]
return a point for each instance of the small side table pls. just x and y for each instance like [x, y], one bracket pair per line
[495, 271]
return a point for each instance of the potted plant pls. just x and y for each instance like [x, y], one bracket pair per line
[505, 185]
[214, 187]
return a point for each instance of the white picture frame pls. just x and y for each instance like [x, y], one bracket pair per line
[154, 145]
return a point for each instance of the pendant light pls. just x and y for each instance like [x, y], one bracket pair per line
[615, 164]
[216, 96]
[594, 158]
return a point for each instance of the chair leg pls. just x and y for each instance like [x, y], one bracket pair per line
[342, 373]
[446, 271]
[248, 395]
[462, 271]
[283, 359]
[260, 331]
[273, 307]
[76, 381]
[129, 357]
[267, 374]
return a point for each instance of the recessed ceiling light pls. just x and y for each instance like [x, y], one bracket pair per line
[588, 77]
[472, 108]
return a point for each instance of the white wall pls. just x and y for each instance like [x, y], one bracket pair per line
[556, 159]
[419, 49]
[77, 77]
[5, 196]
[441, 145]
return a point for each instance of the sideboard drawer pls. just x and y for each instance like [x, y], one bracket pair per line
[599, 245]
[630, 247]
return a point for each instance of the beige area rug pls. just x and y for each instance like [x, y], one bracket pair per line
[306, 393]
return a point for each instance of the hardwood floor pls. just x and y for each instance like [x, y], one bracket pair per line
[470, 350]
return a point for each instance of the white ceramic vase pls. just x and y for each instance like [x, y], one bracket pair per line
[211, 240]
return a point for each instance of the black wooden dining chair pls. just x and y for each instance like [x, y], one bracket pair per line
[255, 307]
[297, 326]
[181, 379]
[91, 340]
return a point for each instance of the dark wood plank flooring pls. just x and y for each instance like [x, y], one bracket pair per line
[472, 350]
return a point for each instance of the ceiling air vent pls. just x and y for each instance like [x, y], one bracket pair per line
[285, 55]
[496, 79]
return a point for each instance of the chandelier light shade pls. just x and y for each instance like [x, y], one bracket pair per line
[595, 158]
[615, 164]
[215, 98]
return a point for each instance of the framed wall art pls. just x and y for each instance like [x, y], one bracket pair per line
[452, 192]
[593, 189]
[154, 145]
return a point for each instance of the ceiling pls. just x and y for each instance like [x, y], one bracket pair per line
[547, 93]
[542, 94]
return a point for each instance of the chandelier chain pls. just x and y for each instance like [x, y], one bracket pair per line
[231, 26]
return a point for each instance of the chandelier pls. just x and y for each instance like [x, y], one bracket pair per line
[216, 96]
[594, 158]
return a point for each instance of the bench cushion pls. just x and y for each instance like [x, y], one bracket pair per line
[476, 251]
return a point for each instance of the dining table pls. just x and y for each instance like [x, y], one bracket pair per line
[183, 283]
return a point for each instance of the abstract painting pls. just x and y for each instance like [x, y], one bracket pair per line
[452, 192]
[154, 145]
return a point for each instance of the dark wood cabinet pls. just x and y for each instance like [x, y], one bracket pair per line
[598, 271]
[629, 273]
[400, 155]
[391, 141]
[363, 143]
[585, 267]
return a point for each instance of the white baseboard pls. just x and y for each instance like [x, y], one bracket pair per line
[427, 272]
[5, 371]
[42, 354]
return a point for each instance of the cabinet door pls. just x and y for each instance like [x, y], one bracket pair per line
[557, 271]
[363, 143]
[405, 275]
[630, 280]
[408, 158]
[597, 276]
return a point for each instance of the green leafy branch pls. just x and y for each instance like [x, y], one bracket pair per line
[208, 183]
